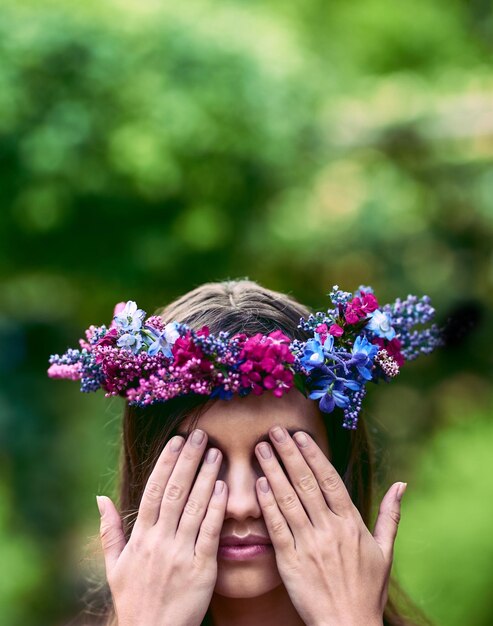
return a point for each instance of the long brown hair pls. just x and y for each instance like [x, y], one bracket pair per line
[241, 306]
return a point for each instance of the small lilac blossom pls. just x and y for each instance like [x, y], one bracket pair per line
[381, 324]
[130, 317]
[70, 372]
[132, 342]
[352, 411]
[338, 296]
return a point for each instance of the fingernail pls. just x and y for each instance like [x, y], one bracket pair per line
[401, 490]
[197, 437]
[101, 505]
[211, 455]
[176, 444]
[264, 485]
[265, 451]
[278, 434]
[301, 439]
[218, 488]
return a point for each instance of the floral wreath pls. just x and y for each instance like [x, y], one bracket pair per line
[147, 361]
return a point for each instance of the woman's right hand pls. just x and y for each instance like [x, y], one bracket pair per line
[167, 571]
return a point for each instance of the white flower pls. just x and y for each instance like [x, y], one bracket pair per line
[381, 324]
[132, 342]
[130, 318]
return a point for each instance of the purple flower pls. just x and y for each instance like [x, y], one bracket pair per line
[381, 324]
[330, 396]
[130, 317]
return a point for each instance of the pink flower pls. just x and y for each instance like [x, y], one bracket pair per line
[323, 331]
[72, 372]
[358, 308]
[368, 302]
[336, 330]
[351, 314]
[265, 363]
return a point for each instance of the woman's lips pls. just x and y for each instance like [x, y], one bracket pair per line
[240, 553]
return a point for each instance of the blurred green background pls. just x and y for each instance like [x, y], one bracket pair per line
[147, 147]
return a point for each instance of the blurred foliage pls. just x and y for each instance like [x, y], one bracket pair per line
[147, 147]
[443, 547]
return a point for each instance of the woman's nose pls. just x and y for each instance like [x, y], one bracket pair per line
[242, 494]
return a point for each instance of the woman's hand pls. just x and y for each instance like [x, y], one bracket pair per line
[334, 570]
[167, 571]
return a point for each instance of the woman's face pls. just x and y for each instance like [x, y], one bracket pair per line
[235, 427]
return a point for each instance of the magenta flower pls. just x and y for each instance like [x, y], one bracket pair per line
[184, 349]
[351, 314]
[266, 362]
[323, 331]
[336, 330]
[109, 339]
[358, 308]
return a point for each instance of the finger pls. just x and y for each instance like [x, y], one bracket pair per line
[301, 476]
[277, 527]
[210, 530]
[180, 482]
[286, 497]
[111, 532]
[150, 503]
[199, 497]
[331, 485]
[389, 515]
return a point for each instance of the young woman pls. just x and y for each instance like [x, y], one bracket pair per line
[251, 510]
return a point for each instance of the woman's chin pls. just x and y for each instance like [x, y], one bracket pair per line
[246, 582]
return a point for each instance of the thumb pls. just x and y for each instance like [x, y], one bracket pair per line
[111, 532]
[389, 516]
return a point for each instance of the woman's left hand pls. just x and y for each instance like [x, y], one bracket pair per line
[335, 571]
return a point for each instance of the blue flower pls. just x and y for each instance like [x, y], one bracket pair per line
[330, 396]
[350, 384]
[314, 352]
[131, 342]
[381, 324]
[221, 393]
[363, 354]
[164, 340]
[130, 318]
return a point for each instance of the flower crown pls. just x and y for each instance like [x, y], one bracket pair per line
[356, 341]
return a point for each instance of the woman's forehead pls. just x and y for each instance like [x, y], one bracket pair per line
[247, 420]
